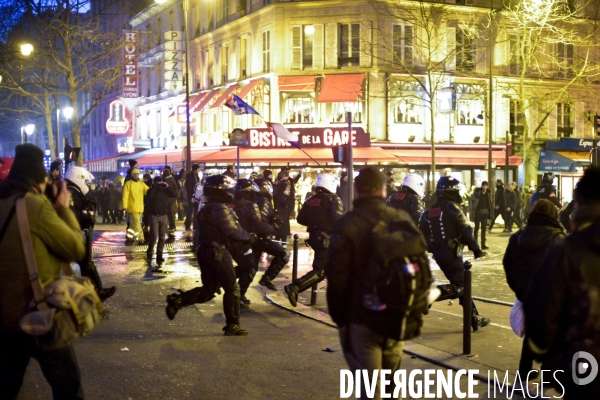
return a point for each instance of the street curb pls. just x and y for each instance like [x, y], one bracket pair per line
[411, 348]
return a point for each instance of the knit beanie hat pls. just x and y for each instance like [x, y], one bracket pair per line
[28, 165]
[132, 163]
[369, 179]
[135, 171]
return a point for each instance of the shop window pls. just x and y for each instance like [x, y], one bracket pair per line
[468, 110]
[407, 111]
[299, 110]
[339, 111]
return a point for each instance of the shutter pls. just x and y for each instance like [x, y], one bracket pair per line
[451, 49]
[217, 67]
[249, 68]
[578, 113]
[502, 118]
[318, 47]
[552, 122]
[331, 46]
[366, 49]
[296, 47]
[235, 61]
[481, 52]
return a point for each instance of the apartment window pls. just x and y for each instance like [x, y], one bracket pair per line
[516, 118]
[349, 45]
[266, 50]
[402, 45]
[465, 54]
[563, 119]
[407, 110]
[339, 111]
[224, 64]
[243, 58]
[302, 46]
[516, 60]
[225, 10]
[266, 2]
[299, 109]
[564, 56]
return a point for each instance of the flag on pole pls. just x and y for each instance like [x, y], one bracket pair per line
[282, 132]
[239, 106]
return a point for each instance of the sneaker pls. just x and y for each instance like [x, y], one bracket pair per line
[266, 282]
[291, 292]
[234, 330]
[484, 247]
[478, 322]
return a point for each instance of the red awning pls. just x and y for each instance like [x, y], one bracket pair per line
[361, 154]
[209, 96]
[452, 157]
[341, 88]
[224, 95]
[194, 100]
[171, 156]
[297, 83]
[248, 88]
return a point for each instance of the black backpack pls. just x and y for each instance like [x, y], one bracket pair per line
[398, 275]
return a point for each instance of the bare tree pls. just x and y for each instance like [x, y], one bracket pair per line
[551, 52]
[74, 58]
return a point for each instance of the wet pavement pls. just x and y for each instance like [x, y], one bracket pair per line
[137, 353]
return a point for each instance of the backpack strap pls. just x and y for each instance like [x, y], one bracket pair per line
[34, 278]
[8, 219]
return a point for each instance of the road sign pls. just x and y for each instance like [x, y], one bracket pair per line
[238, 137]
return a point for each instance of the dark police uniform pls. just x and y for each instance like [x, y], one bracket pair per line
[408, 201]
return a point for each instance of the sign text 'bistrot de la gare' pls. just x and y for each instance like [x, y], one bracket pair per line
[318, 137]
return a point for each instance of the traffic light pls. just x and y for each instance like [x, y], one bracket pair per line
[71, 155]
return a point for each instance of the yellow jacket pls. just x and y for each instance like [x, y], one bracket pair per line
[133, 196]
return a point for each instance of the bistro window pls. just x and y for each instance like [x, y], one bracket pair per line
[407, 110]
[339, 111]
[299, 110]
[468, 110]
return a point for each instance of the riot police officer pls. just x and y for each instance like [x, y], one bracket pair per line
[410, 197]
[244, 205]
[218, 231]
[447, 230]
[546, 190]
[264, 201]
[83, 206]
[318, 214]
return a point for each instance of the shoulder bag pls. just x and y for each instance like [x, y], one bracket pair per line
[63, 309]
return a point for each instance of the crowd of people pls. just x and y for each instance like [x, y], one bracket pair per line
[234, 222]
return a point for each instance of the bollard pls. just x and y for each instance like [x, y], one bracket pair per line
[467, 311]
[295, 261]
[313, 294]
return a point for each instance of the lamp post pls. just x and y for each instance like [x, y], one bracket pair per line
[26, 130]
[68, 113]
[491, 179]
[188, 134]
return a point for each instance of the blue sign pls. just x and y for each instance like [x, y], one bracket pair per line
[551, 161]
[572, 144]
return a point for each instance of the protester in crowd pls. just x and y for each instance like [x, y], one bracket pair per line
[562, 317]
[134, 192]
[283, 208]
[524, 256]
[133, 164]
[172, 201]
[116, 199]
[230, 171]
[55, 172]
[481, 210]
[517, 215]
[56, 239]
[510, 205]
[157, 206]
[498, 204]
[268, 174]
[342, 190]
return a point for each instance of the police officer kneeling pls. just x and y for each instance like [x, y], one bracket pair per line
[446, 230]
[218, 232]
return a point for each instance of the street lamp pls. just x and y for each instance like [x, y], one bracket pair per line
[68, 113]
[28, 130]
[26, 49]
[188, 134]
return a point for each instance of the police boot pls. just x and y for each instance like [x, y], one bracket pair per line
[300, 285]
[477, 321]
[234, 330]
[449, 292]
[177, 301]
[276, 266]
[106, 293]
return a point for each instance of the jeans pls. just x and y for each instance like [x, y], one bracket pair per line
[479, 220]
[59, 367]
[497, 211]
[508, 220]
[190, 215]
[365, 349]
[158, 230]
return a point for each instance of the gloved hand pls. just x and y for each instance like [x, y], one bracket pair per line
[478, 253]
[253, 238]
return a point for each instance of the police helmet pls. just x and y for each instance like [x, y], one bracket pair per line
[548, 177]
[245, 189]
[326, 182]
[449, 188]
[265, 188]
[80, 177]
[415, 183]
[219, 189]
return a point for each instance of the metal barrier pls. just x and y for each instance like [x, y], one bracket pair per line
[467, 309]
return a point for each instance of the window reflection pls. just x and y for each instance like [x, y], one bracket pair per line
[407, 110]
[339, 111]
[299, 110]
